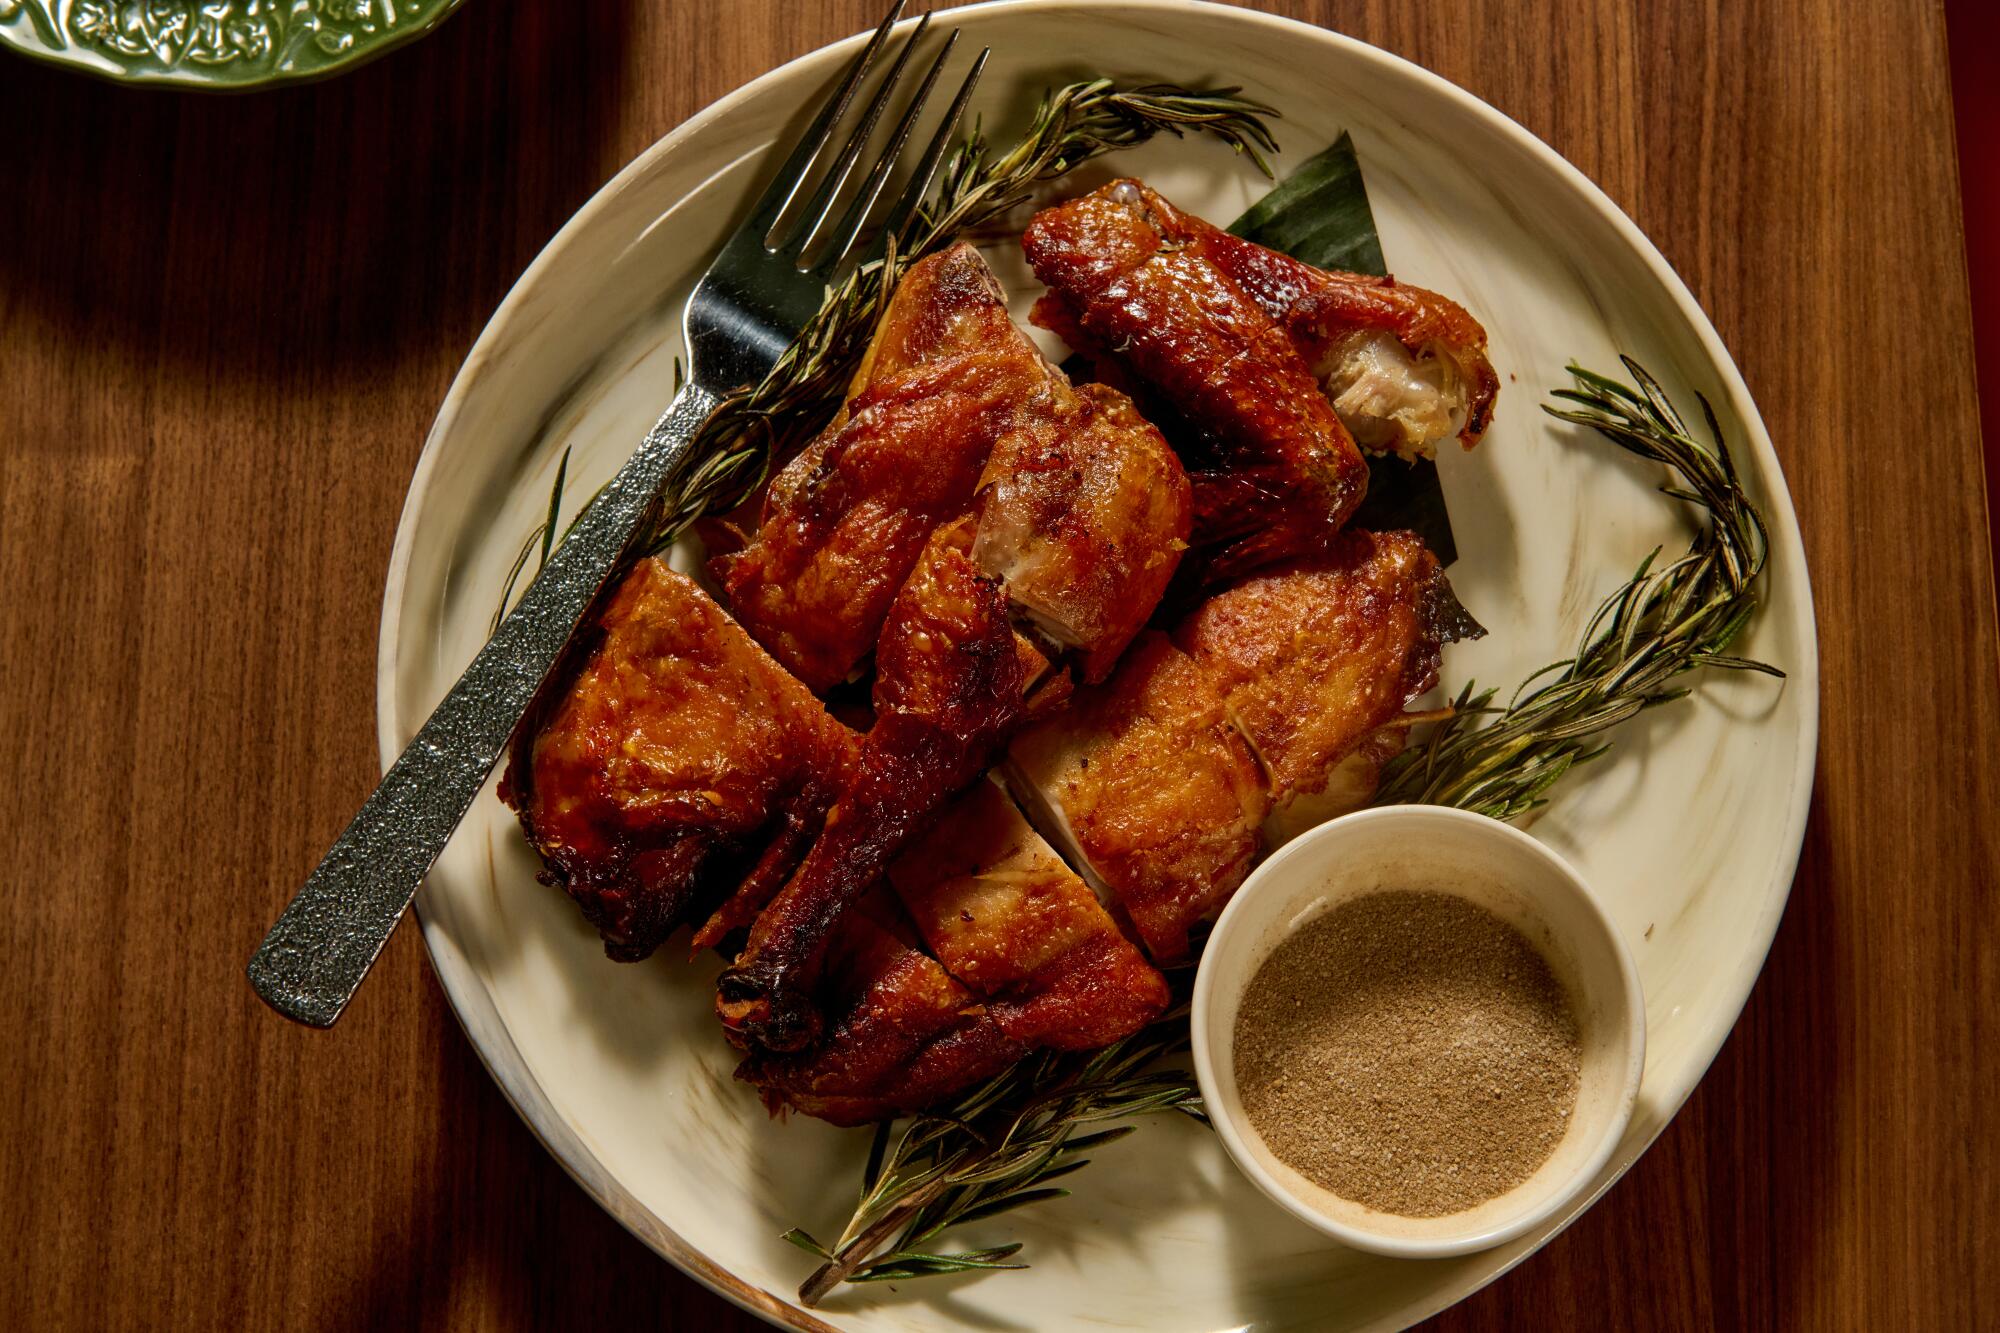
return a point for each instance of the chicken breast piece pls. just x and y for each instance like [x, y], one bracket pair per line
[1149, 788]
[1312, 658]
[1273, 706]
[1083, 515]
[678, 744]
[1009, 920]
[946, 375]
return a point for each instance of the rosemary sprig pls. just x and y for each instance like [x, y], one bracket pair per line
[994, 1151]
[1666, 621]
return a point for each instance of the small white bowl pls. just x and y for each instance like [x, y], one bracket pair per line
[1488, 863]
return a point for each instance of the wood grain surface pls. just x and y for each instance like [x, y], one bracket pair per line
[224, 328]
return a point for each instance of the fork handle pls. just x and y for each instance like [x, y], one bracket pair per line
[316, 955]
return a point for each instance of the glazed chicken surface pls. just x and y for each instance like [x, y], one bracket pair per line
[1074, 527]
[1279, 367]
[678, 744]
[1007, 917]
[1310, 657]
[949, 687]
[1152, 791]
[987, 547]
[981, 947]
[902, 1033]
[1083, 516]
[1164, 783]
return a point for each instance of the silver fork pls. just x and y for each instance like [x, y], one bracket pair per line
[767, 282]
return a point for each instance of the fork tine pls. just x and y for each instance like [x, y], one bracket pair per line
[791, 178]
[857, 213]
[824, 199]
[899, 219]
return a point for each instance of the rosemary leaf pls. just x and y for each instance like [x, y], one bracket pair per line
[803, 1239]
[1009, 1202]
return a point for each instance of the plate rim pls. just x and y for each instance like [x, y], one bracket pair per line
[461, 989]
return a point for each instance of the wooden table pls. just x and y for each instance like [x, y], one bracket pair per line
[224, 328]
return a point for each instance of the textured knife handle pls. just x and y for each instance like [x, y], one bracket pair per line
[316, 955]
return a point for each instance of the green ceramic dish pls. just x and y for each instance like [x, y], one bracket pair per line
[221, 45]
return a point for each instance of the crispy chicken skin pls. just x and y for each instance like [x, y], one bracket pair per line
[1083, 514]
[1275, 703]
[1003, 914]
[948, 690]
[1128, 275]
[677, 743]
[903, 1034]
[1156, 795]
[1021, 957]
[1312, 657]
[946, 375]
[1406, 368]
[1279, 367]
[1076, 524]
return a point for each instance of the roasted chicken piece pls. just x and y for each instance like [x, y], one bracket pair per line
[946, 375]
[903, 1035]
[1281, 695]
[1155, 796]
[678, 747]
[1278, 366]
[1405, 367]
[1003, 914]
[1021, 957]
[1311, 657]
[1083, 515]
[949, 687]
[1128, 281]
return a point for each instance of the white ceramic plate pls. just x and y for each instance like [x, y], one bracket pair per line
[1691, 831]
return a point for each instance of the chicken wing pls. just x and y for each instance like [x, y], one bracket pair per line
[946, 375]
[1405, 367]
[1279, 367]
[1126, 278]
[676, 748]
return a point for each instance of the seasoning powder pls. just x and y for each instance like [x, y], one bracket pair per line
[1410, 1052]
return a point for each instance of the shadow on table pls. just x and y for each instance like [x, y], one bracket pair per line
[276, 235]
[495, 1234]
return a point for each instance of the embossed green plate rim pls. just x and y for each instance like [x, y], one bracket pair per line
[59, 32]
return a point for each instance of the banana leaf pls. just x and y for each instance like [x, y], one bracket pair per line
[1320, 214]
